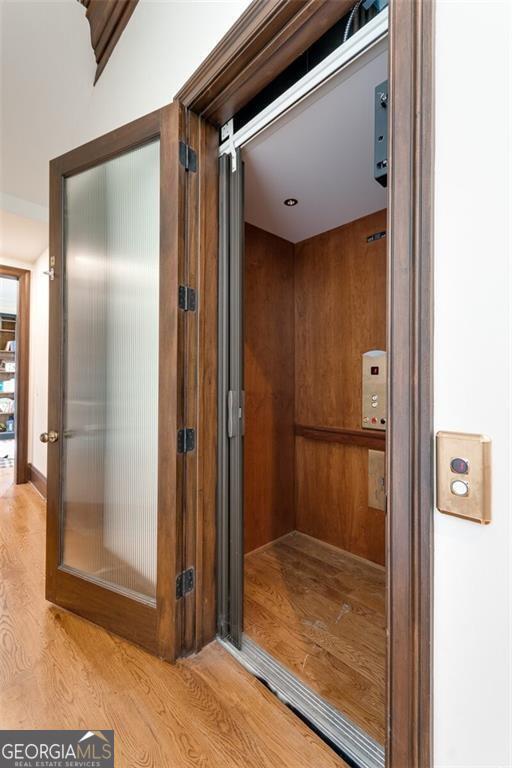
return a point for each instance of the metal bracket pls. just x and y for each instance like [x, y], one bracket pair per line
[227, 130]
[375, 236]
[186, 440]
[379, 4]
[381, 134]
[188, 157]
[226, 134]
[186, 298]
[235, 413]
[185, 582]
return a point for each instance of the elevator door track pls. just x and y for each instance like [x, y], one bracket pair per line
[352, 743]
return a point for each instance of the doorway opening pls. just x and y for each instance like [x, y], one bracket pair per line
[305, 331]
[8, 317]
[14, 320]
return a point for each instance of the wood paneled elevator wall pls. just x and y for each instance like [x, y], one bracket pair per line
[311, 310]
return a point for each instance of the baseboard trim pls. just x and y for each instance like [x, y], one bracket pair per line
[37, 479]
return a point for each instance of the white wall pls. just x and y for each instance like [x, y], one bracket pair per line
[472, 609]
[38, 384]
[160, 48]
[9, 262]
[48, 101]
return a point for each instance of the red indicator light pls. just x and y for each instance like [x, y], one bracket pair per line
[459, 466]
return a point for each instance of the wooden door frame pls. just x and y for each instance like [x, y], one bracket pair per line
[157, 627]
[21, 468]
[266, 38]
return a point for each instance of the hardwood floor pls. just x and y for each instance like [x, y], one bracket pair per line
[59, 671]
[6, 478]
[321, 613]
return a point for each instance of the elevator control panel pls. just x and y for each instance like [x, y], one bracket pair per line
[464, 475]
[374, 406]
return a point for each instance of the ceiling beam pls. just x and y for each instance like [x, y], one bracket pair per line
[107, 20]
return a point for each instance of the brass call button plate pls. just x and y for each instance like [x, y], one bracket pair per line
[464, 475]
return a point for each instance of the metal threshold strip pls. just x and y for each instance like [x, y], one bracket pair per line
[347, 737]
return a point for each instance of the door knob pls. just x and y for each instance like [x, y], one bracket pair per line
[49, 437]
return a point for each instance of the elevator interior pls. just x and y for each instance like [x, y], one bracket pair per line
[314, 306]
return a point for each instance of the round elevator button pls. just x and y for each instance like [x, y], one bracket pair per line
[459, 487]
[459, 466]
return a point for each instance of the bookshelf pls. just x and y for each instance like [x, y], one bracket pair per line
[7, 372]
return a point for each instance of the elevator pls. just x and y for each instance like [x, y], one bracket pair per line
[303, 408]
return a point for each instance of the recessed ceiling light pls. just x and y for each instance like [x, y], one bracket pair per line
[290, 201]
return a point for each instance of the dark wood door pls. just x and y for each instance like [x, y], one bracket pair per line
[115, 468]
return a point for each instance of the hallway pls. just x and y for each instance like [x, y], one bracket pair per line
[59, 671]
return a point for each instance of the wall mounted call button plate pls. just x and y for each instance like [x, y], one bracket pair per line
[464, 476]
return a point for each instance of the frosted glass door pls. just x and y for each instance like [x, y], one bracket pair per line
[110, 358]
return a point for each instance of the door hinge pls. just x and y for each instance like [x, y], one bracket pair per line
[186, 440]
[188, 157]
[185, 582]
[186, 298]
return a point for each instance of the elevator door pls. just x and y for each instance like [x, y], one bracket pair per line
[116, 363]
[231, 400]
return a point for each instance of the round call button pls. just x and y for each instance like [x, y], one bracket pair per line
[459, 466]
[459, 487]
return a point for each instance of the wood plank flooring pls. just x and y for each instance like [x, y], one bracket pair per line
[59, 671]
[321, 613]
